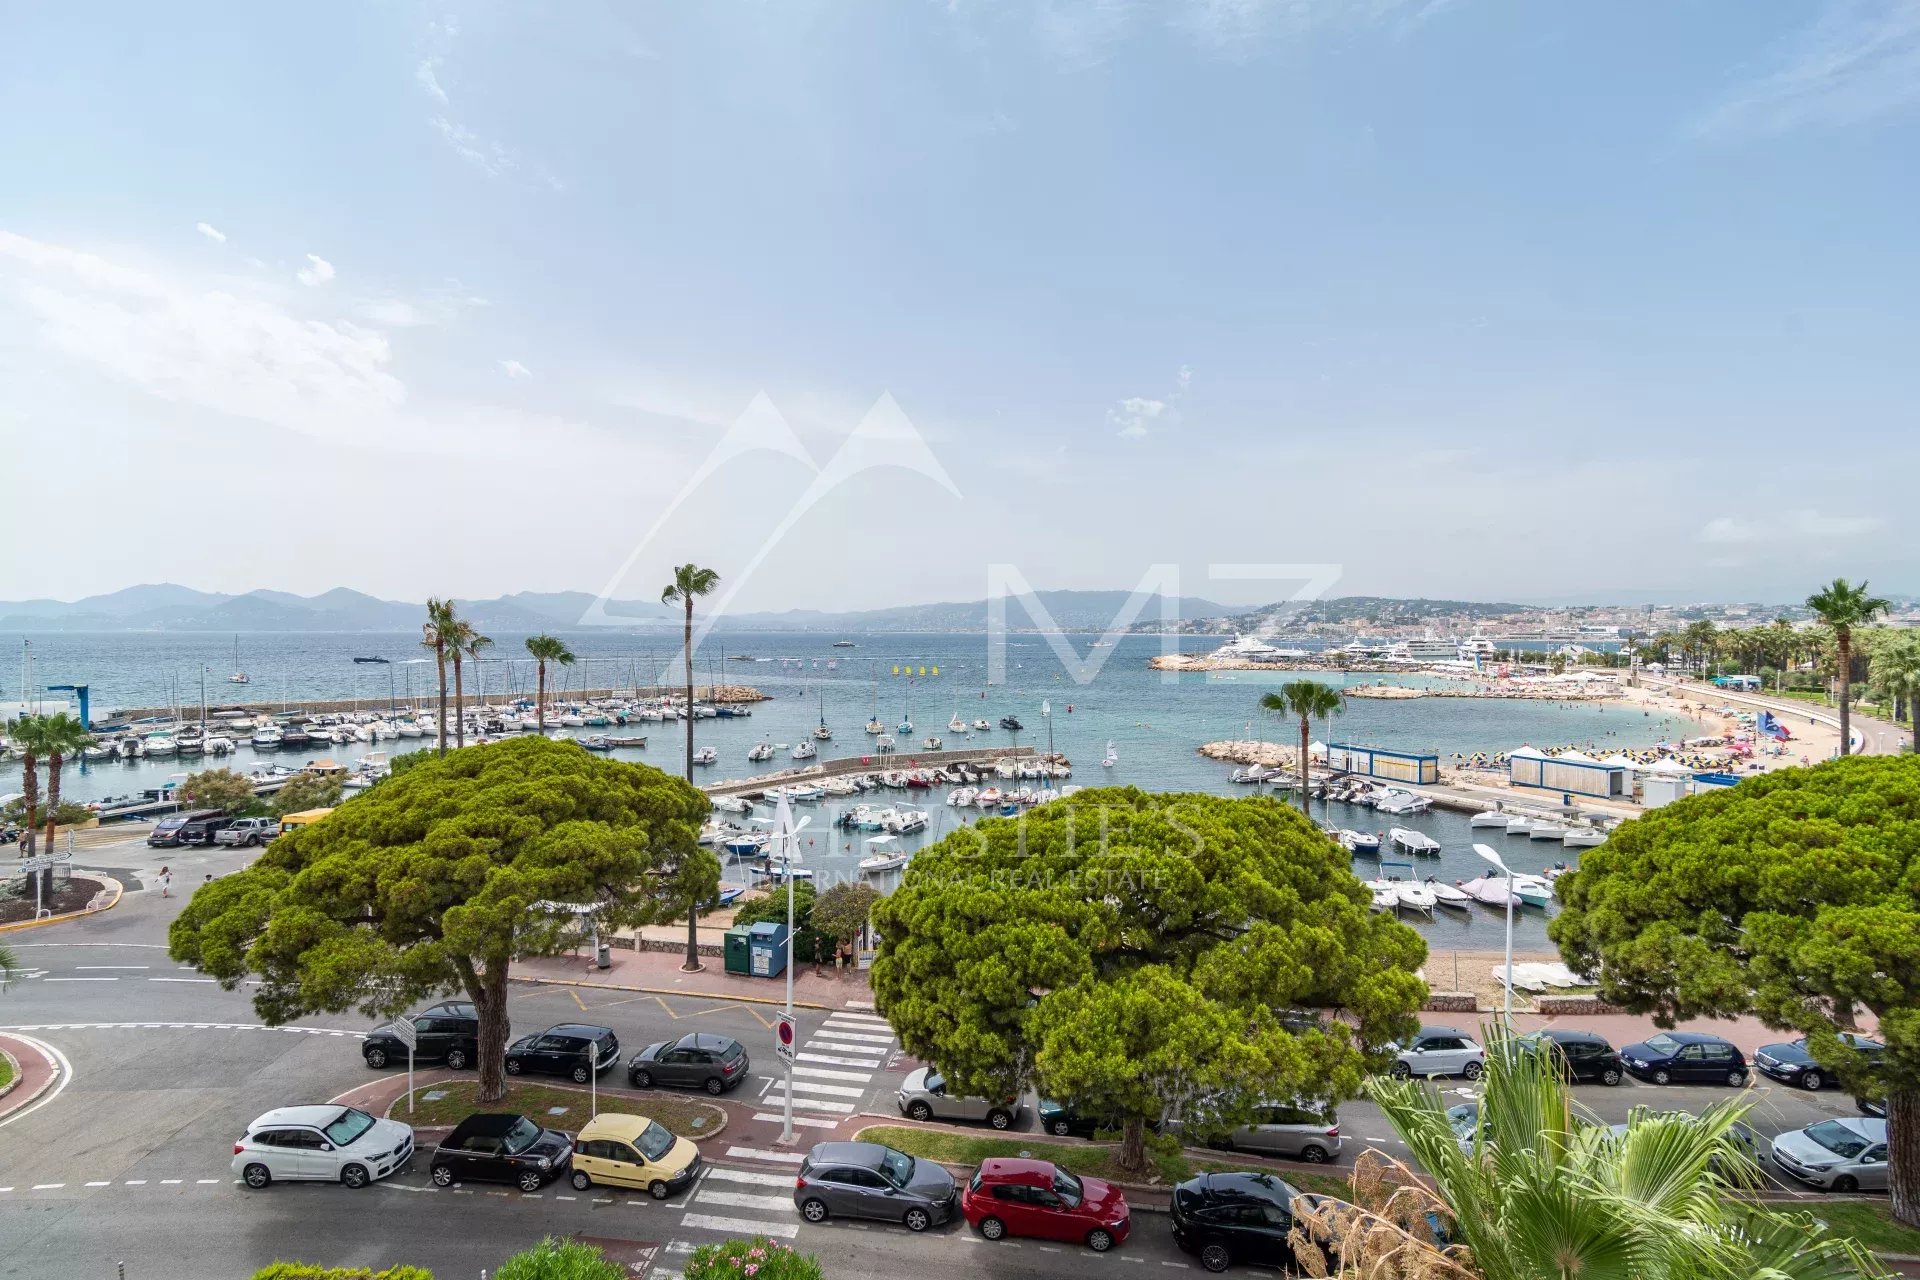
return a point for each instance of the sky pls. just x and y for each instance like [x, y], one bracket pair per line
[865, 304]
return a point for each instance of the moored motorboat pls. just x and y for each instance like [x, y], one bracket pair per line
[804, 750]
[1448, 895]
[1011, 723]
[1490, 818]
[1492, 891]
[886, 855]
[1407, 840]
[1533, 891]
[1583, 837]
[981, 725]
[1546, 831]
[1358, 841]
[1519, 826]
[705, 755]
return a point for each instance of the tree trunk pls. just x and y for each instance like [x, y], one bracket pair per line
[440, 661]
[1133, 1145]
[540, 707]
[692, 964]
[1845, 644]
[30, 791]
[1913, 705]
[53, 795]
[459, 704]
[489, 992]
[1903, 1155]
[1303, 768]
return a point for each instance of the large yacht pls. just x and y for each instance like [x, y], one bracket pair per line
[1254, 649]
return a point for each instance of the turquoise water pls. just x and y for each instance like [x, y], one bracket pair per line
[1154, 721]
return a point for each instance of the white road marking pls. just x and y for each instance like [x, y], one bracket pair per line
[803, 1121]
[753, 1176]
[82, 979]
[810, 1104]
[745, 1200]
[170, 1182]
[825, 1073]
[859, 1004]
[48, 1186]
[99, 1184]
[840, 1034]
[136, 1182]
[80, 967]
[750, 1153]
[206, 1182]
[833, 1061]
[832, 1090]
[209, 981]
[741, 1226]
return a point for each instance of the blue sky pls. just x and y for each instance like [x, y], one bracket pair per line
[1469, 298]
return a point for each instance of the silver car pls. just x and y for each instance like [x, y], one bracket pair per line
[1440, 1051]
[1310, 1133]
[1836, 1155]
[867, 1180]
[923, 1096]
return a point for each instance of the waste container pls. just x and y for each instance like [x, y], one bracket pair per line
[768, 943]
[738, 953]
[603, 958]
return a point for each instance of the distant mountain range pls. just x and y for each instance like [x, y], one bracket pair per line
[170, 607]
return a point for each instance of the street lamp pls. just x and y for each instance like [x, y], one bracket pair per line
[1488, 853]
[787, 832]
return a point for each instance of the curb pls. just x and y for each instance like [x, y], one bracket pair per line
[675, 991]
[118, 891]
[443, 1130]
[13, 1080]
[23, 1103]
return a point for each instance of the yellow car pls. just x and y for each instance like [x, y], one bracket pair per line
[614, 1150]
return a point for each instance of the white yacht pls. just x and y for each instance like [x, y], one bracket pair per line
[804, 750]
[1407, 840]
[266, 736]
[1490, 818]
[761, 751]
[705, 755]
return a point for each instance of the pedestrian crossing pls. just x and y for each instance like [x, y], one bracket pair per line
[753, 1194]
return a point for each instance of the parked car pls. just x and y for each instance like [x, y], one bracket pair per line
[1792, 1062]
[1224, 1218]
[868, 1180]
[446, 1032]
[923, 1096]
[1738, 1133]
[697, 1060]
[1293, 1131]
[167, 832]
[1465, 1119]
[1872, 1107]
[496, 1147]
[1064, 1118]
[1686, 1057]
[616, 1150]
[1849, 1154]
[1034, 1198]
[576, 1050]
[1582, 1055]
[251, 832]
[1440, 1051]
[203, 831]
[321, 1144]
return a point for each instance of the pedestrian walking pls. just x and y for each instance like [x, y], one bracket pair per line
[166, 881]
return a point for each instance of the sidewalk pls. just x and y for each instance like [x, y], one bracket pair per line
[659, 973]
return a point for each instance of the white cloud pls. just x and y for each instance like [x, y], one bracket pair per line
[1800, 525]
[1134, 415]
[395, 313]
[235, 354]
[514, 369]
[490, 158]
[428, 81]
[1859, 60]
[1185, 377]
[317, 271]
[211, 232]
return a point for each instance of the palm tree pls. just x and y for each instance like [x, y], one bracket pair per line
[1700, 637]
[1543, 1190]
[1843, 606]
[463, 642]
[690, 582]
[545, 649]
[1310, 700]
[434, 633]
[1896, 669]
[27, 734]
[60, 736]
[9, 965]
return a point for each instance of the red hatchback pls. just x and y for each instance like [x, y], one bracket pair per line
[1033, 1198]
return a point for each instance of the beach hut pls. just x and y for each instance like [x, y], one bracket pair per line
[1571, 773]
[1663, 782]
[1373, 762]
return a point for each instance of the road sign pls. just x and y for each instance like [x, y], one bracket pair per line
[783, 1038]
[403, 1031]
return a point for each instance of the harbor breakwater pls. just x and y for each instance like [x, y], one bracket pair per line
[729, 694]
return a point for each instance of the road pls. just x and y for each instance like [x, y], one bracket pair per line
[128, 1160]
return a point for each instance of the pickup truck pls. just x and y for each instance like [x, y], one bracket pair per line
[247, 831]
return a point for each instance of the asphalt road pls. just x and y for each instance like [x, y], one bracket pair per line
[129, 1160]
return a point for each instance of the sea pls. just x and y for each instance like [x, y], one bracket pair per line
[1077, 702]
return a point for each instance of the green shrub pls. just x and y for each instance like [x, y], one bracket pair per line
[760, 1258]
[313, 1271]
[560, 1260]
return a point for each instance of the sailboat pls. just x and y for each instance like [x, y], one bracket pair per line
[906, 721]
[821, 733]
[956, 725]
[238, 676]
[1111, 758]
[873, 721]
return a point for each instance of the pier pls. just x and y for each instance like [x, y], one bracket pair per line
[873, 763]
[719, 694]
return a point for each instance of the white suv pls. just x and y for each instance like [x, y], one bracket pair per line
[1441, 1051]
[321, 1144]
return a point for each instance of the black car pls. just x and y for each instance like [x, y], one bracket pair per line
[576, 1050]
[448, 1031]
[1581, 1055]
[1224, 1218]
[171, 830]
[203, 830]
[697, 1060]
[493, 1147]
[1792, 1063]
[1062, 1119]
[1679, 1057]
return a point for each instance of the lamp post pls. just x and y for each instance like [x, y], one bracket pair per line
[1488, 853]
[786, 834]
